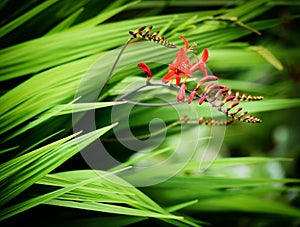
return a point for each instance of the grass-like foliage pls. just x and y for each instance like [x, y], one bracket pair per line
[62, 59]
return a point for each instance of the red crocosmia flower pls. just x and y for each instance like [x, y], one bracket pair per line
[180, 66]
[181, 94]
[145, 69]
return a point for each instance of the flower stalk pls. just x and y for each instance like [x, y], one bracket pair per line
[206, 90]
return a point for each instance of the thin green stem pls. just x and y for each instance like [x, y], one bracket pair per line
[114, 65]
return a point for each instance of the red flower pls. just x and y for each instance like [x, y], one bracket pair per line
[145, 69]
[181, 94]
[180, 66]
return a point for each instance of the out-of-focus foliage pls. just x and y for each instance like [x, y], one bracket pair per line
[48, 47]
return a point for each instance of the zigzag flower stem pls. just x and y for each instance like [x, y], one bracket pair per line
[218, 96]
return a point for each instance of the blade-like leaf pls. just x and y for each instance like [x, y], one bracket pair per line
[26, 17]
[33, 167]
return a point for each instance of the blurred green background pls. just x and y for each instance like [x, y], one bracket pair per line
[48, 47]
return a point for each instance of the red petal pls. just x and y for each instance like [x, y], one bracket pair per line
[145, 69]
[181, 59]
[186, 43]
[204, 57]
[169, 76]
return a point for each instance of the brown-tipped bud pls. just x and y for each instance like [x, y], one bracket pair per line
[202, 99]
[213, 86]
[225, 89]
[153, 36]
[248, 118]
[221, 91]
[141, 28]
[181, 93]
[208, 122]
[235, 112]
[229, 92]
[229, 98]
[242, 115]
[217, 86]
[230, 107]
[145, 34]
[237, 95]
[149, 28]
[233, 105]
[243, 97]
[208, 78]
[251, 119]
[192, 95]
[201, 119]
[133, 34]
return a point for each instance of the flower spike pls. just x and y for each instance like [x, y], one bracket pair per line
[225, 102]
[242, 97]
[206, 90]
[140, 33]
[214, 122]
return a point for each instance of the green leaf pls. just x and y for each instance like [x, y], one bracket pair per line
[265, 53]
[15, 209]
[25, 17]
[66, 23]
[214, 182]
[245, 203]
[79, 107]
[181, 206]
[103, 16]
[108, 208]
[34, 165]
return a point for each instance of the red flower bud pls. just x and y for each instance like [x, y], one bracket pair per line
[204, 56]
[181, 94]
[208, 78]
[192, 95]
[145, 69]
[202, 99]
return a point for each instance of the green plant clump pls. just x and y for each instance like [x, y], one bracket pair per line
[71, 88]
